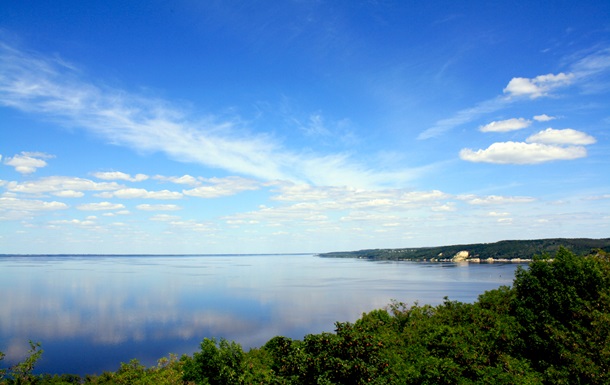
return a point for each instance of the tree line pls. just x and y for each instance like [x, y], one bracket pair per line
[552, 326]
[512, 249]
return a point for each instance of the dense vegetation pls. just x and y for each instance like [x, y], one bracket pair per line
[551, 327]
[523, 249]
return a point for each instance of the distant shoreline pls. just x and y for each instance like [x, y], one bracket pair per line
[501, 251]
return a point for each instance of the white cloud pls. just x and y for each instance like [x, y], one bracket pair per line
[219, 187]
[464, 116]
[506, 125]
[164, 218]
[74, 222]
[100, 206]
[47, 86]
[57, 184]
[566, 136]
[132, 193]
[544, 118]
[450, 206]
[10, 203]
[536, 87]
[27, 162]
[191, 225]
[184, 179]
[147, 207]
[117, 175]
[496, 214]
[494, 199]
[69, 194]
[522, 153]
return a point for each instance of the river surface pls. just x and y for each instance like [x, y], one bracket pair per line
[92, 312]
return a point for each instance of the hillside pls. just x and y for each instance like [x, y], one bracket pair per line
[502, 250]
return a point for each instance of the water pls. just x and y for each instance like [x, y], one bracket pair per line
[92, 312]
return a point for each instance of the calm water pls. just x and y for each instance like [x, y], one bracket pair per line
[90, 313]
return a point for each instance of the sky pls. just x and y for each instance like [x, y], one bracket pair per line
[203, 127]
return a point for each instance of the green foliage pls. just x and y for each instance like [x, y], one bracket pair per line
[216, 364]
[551, 327]
[564, 308]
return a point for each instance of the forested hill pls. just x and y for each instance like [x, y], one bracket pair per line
[503, 250]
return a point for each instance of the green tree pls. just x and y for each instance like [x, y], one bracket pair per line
[564, 309]
[218, 363]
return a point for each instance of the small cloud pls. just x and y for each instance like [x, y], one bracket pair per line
[220, 187]
[131, 193]
[496, 214]
[450, 206]
[538, 86]
[74, 222]
[28, 162]
[164, 218]
[184, 179]
[147, 207]
[100, 206]
[506, 125]
[544, 118]
[566, 136]
[494, 199]
[117, 175]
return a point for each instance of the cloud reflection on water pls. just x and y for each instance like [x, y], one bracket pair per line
[123, 301]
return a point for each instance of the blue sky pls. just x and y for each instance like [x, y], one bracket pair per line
[301, 126]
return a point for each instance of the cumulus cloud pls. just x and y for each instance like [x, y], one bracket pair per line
[117, 175]
[16, 204]
[57, 184]
[219, 187]
[566, 136]
[184, 179]
[74, 222]
[100, 206]
[536, 87]
[543, 118]
[132, 193]
[147, 207]
[506, 125]
[69, 194]
[522, 153]
[494, 199]
[28, 162]
[164, 218]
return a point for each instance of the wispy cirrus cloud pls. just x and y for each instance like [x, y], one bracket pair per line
[464, 116]
[50, 87]
[506, 125]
